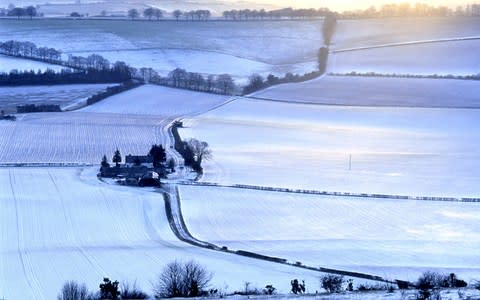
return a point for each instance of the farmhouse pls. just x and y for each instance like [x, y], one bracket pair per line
[139, 160]
[140, 170]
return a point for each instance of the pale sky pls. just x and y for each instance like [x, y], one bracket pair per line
[332, 4]
[352, 4]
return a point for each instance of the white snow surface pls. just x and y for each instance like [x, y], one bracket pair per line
[381, 31]
[442, 58]
[395, 239]
[401, 151]
[131, 121]
[8, 64]
[64, 224]
[157, 100]
[378, 91]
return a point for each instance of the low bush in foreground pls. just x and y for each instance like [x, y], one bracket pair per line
[332, 283]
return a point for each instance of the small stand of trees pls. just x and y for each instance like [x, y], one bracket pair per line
[256, 82]
[28, 11]
[153, 12]
[194, 152]
[180, 78]
[157, 152]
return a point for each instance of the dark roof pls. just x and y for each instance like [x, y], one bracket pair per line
[132, 159]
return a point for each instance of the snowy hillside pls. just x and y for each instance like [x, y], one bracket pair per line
[371, 32]
[63, 224]
[378, 91]
[406, 151]
[377, 236]
[443, 58]
[131, 121]
[8, 64]
[279, 47]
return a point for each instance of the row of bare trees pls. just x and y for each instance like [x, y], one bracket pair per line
[289, 13]
[30, 50]
[180, 78]
[192, 15]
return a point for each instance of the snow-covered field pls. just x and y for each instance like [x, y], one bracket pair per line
[156, 100]
[378, 91]
[392, 238]
[8, 64]
[406, 151]
[443, 58]
[63, 224]
[371, 32]
[63, 95]
[131, 121]
[196, 46]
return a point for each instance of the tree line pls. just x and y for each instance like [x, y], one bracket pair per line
[284, 13]
[64, 76]
[12, 11]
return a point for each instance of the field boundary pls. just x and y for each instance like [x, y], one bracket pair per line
[38, 165]
[329, 193]
[401, 44]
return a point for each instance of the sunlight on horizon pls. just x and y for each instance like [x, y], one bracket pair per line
[350, 4]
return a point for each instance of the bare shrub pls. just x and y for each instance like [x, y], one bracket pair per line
[132, 292]
[182, 280]
[332, 283]
[71, 290]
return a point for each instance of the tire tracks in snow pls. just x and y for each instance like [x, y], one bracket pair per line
[68, 220]
[27, 268]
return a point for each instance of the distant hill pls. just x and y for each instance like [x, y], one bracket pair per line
[54, 8]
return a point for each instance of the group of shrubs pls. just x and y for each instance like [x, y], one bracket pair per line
[191, 279]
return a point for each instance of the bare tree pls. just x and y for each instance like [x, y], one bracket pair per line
[158, 13]
[133, 13]
[200, 150]
[148, 13]
[177, 14]
[182, 280]
[31, 11]
[225, 84]
[169, 283]
[71, 290]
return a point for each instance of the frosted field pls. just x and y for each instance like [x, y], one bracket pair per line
[8, 64]
[370, 32]
[131, 121]
[64, 95]
[157, 100]
[444, 58]
[391, 238]
[278, 46]
[63, 224]
[406, 151]
[370, 91]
